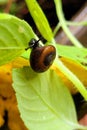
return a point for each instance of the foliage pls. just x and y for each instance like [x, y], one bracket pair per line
[43, 99]
[43, 104]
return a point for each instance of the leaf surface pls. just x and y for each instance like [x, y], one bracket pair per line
[14, 37]
[75, 53]
[40, 19]
[43, 100]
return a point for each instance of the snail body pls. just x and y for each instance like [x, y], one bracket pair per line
[41, 57]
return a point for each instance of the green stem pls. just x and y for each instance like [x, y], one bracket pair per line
[56, 29]
[70, 23]
[72, 78]
[58, 4]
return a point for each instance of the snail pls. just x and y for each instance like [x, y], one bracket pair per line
[41, 57]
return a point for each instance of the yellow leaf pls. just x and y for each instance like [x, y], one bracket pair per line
[5, 70]
[7, 96]
[5, 73]
[20, 62]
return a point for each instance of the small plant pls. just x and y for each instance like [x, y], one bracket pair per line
[44, 100]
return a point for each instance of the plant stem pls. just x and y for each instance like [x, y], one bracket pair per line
[8, 6]
[58, 4]
[56, 29]
[73, 78]
[70, 23]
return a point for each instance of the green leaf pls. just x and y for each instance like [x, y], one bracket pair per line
[39, 19]
[14, 37]
[44, 101]
[74, 53]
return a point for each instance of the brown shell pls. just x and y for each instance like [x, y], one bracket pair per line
[41, 58]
